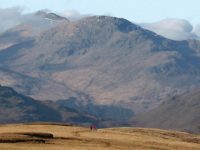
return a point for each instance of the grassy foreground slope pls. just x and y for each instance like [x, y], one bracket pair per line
[61, 137]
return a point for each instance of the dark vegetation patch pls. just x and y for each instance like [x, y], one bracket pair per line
[25, 137]
[49, 123]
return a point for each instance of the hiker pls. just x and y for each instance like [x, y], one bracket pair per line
[91, 128]
[94, 127]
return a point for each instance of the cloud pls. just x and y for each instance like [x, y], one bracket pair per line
[73, 15]
[11, 17]
[197, 30]
[176, 29]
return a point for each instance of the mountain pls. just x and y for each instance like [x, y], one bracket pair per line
[51, 16]
[103, 112]
[179, 113]
[39, 22]
[17, 108]
[103, 61]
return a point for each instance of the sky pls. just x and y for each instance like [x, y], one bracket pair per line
[174, 19]
[134, 10]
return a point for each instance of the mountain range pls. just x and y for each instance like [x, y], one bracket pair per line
[105, 66]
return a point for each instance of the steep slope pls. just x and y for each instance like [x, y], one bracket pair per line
[181, 112]
[18, 108]
[28, 85]
[106, 61]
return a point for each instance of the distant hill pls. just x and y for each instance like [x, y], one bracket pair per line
[17, 108]
[178, 113]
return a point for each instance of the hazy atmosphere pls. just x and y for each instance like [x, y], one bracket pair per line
[177, 19]
[103, 74]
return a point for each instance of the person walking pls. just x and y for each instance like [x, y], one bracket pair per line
[91, 127]
[94, 127]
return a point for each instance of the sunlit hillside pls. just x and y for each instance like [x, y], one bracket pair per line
[66, 137]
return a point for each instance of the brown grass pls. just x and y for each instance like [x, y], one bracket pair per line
[60, 137]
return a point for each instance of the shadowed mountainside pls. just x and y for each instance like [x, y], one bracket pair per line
[178, 113]
[18, 108]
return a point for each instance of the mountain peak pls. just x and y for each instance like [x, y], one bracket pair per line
[122, 24]
[50, 15]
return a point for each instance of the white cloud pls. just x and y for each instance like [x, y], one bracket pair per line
[73, 14]
[11, 17]
[176, 29]
[197, 30]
